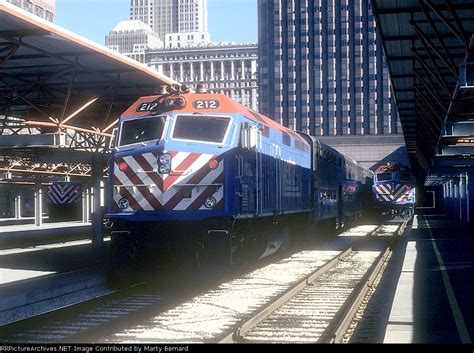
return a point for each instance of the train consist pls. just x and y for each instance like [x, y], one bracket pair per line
[394, 189]
[64, 201]
[199, 175]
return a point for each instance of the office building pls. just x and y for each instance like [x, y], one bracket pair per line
[322, 71]
[189, 39]
[132, 38]
[226, 68]
[171, 16]
[45, 9]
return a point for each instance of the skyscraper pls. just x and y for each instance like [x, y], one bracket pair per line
[171, 16]
[192, 16]
[133, 38]
[45, 9]
[322, 71]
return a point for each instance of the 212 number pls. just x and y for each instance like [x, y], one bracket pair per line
[207, 104]
[147, 107]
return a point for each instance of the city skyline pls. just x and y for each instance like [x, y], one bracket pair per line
[224, 17]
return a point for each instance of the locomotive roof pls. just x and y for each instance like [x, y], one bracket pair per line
[392, 167]
[227, 105]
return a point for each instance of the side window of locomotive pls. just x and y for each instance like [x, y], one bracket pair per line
[201, 128]
[384, 176]
[142, 130]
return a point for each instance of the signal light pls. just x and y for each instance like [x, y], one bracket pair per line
[123, 166]
[213, 164]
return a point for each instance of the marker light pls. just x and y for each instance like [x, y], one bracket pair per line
[213, 164]
[123, 166]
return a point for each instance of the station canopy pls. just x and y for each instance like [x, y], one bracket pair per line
[427, 44]
[53, 81]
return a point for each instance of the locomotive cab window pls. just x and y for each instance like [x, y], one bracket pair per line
[201, 128]
[405, 176]
[142, 130]
[384, 176]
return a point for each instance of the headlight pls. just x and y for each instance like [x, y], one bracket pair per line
[165, 159]
[163, 169]
[164, 163]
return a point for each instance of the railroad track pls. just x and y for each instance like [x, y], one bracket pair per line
[81, 306]
[210, 317]
[143, 313]
[79, 314]
[29, 298]
[320, 308]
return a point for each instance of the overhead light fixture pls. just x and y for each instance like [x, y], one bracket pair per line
[79, 110]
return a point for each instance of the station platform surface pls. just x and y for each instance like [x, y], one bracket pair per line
[20, 235]
[433, 300]
[16, 221]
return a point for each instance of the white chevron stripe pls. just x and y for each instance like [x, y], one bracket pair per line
[53, 199]
[401, 190]
[383, 189]
[164, 198]
[134, 166]
[151, 159]
[62, 194]
[145, 180]
[176, 161]
[196, 166]
[184, 204]
[139, 198]
[75, 197]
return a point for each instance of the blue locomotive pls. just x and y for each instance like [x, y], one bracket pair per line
[200, 174]
[394, 189]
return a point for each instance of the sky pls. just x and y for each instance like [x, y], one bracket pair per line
[229, 20]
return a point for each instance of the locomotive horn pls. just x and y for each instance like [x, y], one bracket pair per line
[163, 90]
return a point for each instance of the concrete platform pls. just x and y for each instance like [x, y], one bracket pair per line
[433, 300]
[19, 221]
[29, 234]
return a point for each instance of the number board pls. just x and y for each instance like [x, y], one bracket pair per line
[206, 104]
[147, 107]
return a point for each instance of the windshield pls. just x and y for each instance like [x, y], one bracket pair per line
[384, 176]
[201, 128]
[405, 176]
[141, 130]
